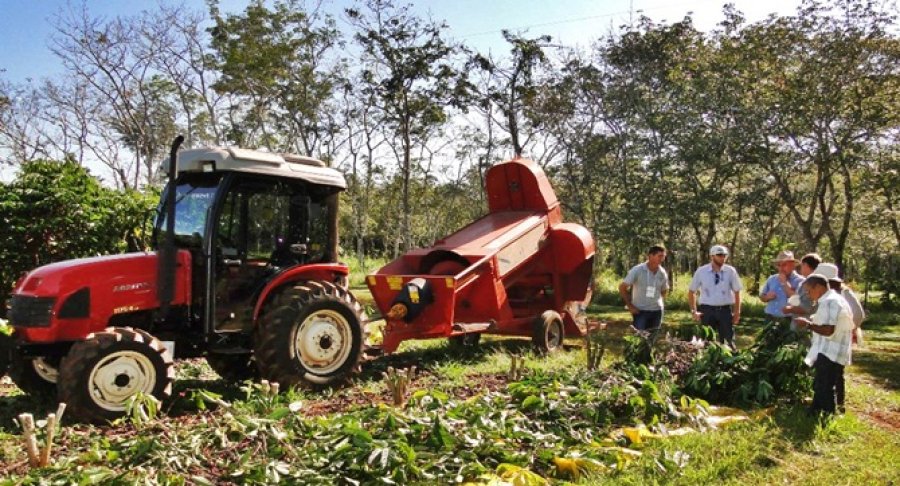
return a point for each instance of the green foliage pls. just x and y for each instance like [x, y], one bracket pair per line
[772, 369]
[54, 211]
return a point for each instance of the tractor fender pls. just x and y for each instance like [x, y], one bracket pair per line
[317, 271]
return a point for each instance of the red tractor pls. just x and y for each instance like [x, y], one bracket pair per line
[245, 272]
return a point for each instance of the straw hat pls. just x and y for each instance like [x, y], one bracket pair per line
[785, 256]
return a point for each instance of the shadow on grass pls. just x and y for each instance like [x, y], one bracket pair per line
[13, 405]
[795, 424]
[879, 365]
[432, 357]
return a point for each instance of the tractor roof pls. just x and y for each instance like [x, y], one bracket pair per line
[292, 166]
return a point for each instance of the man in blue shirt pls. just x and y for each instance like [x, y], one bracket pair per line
[781, 287]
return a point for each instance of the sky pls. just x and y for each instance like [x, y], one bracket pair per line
[26, 25]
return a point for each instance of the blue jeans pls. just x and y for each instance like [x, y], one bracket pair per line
[647, 320]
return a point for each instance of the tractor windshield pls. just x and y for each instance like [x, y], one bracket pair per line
[193, 198]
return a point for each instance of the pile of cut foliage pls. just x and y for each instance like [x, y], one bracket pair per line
[547, 425]
[771, 369]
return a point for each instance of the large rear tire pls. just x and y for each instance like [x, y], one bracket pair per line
[549, 333]
[101, 373]
[36, 376]
[310, 334]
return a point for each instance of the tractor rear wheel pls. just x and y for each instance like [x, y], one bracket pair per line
[233, 367]
[310, 334]
[101, 373]
[549, 332]
[36, 376]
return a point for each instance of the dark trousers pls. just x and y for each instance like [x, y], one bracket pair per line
[828, 373]
[839, 391]
[647, 320]
[719, 318]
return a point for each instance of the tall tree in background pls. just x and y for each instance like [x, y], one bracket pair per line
[113, 60]
[408, 68]
[271, 61]
[829, 98]
[513, 87]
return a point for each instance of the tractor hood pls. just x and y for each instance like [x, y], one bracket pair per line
[70, 299]
[135, 270]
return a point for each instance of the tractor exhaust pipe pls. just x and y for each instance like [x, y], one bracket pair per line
[167, 252]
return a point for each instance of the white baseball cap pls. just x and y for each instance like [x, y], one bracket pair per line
[718, 250]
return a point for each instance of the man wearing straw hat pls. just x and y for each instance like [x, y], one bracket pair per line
[781, 287]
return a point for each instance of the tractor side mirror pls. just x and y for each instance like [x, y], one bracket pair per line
[299, 249]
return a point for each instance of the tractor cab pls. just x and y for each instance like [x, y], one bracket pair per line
[245, 217]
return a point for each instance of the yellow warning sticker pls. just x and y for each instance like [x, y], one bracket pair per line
[414, 294]
[449, 282]
[395, 283]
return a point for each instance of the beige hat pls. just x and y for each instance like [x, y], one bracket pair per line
[829, 271]
[785, 256]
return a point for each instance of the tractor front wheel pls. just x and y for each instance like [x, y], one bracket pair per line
[548, 332]
[101, 373]
[311, 333]
[36, 376]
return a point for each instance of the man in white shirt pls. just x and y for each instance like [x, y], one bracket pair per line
[644, 289]
[830, 349]
[719, 286]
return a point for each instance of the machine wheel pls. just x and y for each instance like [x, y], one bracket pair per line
[35, 376]
[311, 333]
[549, 332]
[462, 341]
[233, 367]
[102, 372]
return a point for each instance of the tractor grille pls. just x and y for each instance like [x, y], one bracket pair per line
[28, 311]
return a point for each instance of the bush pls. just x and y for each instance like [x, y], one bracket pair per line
[55, 211]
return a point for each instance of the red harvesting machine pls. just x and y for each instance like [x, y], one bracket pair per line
[517, 271]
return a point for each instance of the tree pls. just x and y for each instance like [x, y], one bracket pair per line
[513, 87]
[825, 93]
[408, 69]
[272, 62]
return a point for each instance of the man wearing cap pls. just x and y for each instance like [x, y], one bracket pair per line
[781, 287]
[644, 288]
[720, 288]
[830, 347]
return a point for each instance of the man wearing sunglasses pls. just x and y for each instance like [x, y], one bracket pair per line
[719, 286]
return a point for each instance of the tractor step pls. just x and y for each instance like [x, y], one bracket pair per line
[471, 327]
